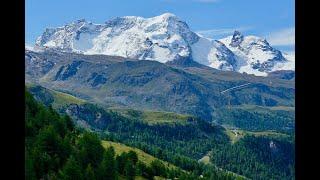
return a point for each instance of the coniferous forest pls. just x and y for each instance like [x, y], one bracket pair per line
[57, 149]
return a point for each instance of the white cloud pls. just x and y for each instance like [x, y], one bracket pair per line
[223, 31]
[283, 37]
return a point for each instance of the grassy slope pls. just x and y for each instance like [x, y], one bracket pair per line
[264, 108]
[236, 135]
[151, 117]
[144, 157]
[228, 117]
[154, 117]
[205, 159]
[61, 99]
[233, 136]
[147, 158]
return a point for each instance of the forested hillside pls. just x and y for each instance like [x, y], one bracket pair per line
[56, 149]
[185, 139]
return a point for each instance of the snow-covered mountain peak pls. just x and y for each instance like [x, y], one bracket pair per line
[163, 38]
[254, 54]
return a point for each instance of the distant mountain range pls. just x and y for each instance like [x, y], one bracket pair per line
[166, 38]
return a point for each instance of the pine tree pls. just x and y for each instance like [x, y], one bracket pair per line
[158, 169]
[89, 173]
[121, 162]
[71, 170]
[132, 156]
[69, 122]
[90, 150]
[141, 168]
[107, 168]
[130, 170]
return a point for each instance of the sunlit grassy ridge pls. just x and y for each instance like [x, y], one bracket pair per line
[144, 157]
[56, 98]
[236, 134]
[61, 99]
[154, 117]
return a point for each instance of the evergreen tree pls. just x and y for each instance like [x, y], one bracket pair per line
[132, 156]
[130, 170]
[107, 168]
[71, 170]
[69, 122]
[90, 150]
[89, 173]
[42, 162]
[141, 169]
[158, 168]
[121, 162]
[48, 140]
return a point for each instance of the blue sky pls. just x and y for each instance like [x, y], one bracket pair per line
[272, 19]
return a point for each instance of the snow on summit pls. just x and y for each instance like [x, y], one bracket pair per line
[254, 54]
[161, 38]
[164, 38]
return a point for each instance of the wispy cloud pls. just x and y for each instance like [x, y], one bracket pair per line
[283, 37]
[224, 31]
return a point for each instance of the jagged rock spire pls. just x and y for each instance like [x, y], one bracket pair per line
[237, 38]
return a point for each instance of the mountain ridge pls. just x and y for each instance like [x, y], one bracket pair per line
[187, 88]
[164, 38]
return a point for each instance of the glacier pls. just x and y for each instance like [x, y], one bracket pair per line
[166, 38]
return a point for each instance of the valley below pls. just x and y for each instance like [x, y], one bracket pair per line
[183, 139]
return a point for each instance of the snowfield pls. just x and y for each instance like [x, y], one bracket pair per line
[166, 38]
